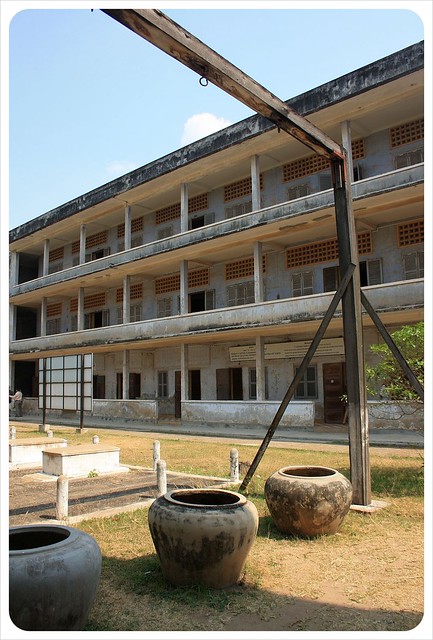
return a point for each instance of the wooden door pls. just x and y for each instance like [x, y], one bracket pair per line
[334, 386]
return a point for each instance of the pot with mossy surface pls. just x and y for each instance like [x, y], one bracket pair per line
[203, 536]
[308, 501]
[54, 573]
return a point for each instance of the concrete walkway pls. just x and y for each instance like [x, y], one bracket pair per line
[322, 433]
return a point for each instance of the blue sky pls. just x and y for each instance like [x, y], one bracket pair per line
[89, 100]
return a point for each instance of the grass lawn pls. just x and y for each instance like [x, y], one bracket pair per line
[366, 577]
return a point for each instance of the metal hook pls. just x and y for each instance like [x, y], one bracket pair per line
[204, 81]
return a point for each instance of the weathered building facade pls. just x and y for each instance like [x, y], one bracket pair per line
[198, 281]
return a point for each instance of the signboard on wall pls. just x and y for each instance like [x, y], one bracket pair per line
[288, 350]
[67, 378]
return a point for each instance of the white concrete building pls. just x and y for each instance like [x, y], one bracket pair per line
[198, 280]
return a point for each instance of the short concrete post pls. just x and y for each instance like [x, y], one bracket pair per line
[62, 498]
[234, 465]
[12, 433]
[49, 434]
[95, 439]
[43, 428]
[156, 453]
[161, 477]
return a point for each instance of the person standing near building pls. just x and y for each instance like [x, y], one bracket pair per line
[18, 403]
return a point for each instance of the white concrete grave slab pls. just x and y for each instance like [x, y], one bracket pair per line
[27, 452]
[80, 461]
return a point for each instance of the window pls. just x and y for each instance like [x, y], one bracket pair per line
[201, 301]
[252, 384]
[302, 283]
[98, 387]
[201, 221]
[135, 312]
[413, 264]
[97, 319]
[299, 191]
[331, 278]
[242, 293]
[164, 307]
[229, 384]
[165, 232]
[409, 158]
[238, 209]
[53, 326]
[162, 384]
[325, 181]
[370, 272]
[307, 387]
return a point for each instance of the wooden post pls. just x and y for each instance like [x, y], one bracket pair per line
[353, 338]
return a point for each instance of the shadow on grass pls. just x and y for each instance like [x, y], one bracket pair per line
[155, 605]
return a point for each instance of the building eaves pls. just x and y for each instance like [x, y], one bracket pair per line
[380, 72]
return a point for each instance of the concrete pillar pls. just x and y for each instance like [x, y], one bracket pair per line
[12, 321]
[127, 227]
[125, 369]
[14, 262]
[80, 310]
[46, 258]
[82, 244]
[44, 317]
[184, 287]
[258, 273]
[260, 369]
[184, 386]
[255, 183]
[234, 465]
[346, 138]
[156, 453]
[126, 298]
[161, 477]
[62, 498]
[184, 207]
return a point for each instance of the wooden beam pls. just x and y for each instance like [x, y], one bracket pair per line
[155, 27]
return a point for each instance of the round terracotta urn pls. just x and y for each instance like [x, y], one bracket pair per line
[203, 536]
[308, 501]
[54, 573]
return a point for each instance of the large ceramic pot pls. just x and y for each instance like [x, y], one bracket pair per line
[308, 501]
[203, 536]
[54, 572]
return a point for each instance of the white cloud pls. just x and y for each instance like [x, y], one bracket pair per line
[119, 167]
[201, 125]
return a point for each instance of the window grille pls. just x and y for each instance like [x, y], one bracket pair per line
[135, 312]
[410, 233]
[406, 133]
[73, 305]
[76, 247]
[96, 239]
[198, 278]
[167, 284]
[323, 251]
[95, 300]
[162, 384]
[242, 268]
[136, 225]
[240, 188]
[358, 149]
[167, 213]
[198, 203]
[136, 291]
[304, 167]
[119, 294]
[56, 254]
[54, 309]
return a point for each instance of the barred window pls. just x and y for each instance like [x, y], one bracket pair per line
[413, 264]
[136, 291]
[409, 158]
[162, 384]
[302, 283]
[242, 268]
[96, 239]
[198, 278]
[198, 203]
[164, 307]
[298, 191]
[53, 326]
[95, 300]
[307, 387]
[167, 284]
[238, 209]
[304, 167]
[167, 213]
[136, 225]
[323, 251]
[358, 149]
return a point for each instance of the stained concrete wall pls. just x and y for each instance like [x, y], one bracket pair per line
[298, 414]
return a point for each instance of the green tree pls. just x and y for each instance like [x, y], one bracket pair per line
[387, 373]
